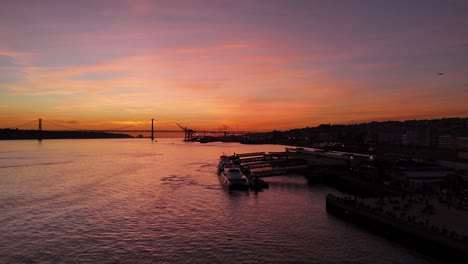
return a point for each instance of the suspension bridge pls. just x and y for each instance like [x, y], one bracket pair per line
[189, 134]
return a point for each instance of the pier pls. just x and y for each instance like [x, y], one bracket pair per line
[260, 164]
[296, 161]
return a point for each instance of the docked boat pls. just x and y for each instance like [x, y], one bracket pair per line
[233, 178]
[223, 162]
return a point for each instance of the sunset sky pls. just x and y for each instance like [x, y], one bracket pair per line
[247, 65]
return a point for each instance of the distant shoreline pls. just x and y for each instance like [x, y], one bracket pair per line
[17, 134]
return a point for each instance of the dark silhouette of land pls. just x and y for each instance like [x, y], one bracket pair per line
[446, 133]
[445, 138]
[411, 177]
[15, 134]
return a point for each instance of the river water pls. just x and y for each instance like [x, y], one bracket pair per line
[133, 201]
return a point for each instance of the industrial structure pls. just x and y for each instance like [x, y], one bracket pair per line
[189, 134]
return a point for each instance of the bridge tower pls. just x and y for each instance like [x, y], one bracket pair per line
[152, 130]
[39, 131]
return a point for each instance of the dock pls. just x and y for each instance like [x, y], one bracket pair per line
[257, 165]
[296, 161]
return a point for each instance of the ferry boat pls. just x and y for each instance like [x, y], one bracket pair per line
[233, 178]
[223, 162]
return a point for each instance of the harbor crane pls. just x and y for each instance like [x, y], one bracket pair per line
[188, 133]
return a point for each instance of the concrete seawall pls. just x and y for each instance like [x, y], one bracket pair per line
[415, 236]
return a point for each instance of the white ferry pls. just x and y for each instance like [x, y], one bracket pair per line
[233, 178]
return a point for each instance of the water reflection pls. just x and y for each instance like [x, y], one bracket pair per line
[133, 201]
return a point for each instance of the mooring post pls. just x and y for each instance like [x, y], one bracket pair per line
[152, 130]
[39, 134]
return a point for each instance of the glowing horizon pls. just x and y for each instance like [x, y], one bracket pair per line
[236, 65]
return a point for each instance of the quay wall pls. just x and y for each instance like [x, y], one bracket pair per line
[413, 235]
[339, 178]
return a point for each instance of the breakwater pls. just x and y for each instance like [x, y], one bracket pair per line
[442, 245]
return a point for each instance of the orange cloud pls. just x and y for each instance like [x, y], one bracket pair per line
[261, 79]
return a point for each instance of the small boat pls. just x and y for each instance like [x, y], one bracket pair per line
[233, 178]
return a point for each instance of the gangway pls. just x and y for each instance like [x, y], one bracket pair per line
[250, 154]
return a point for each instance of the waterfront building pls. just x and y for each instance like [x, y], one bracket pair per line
[419, 176]
[461, 143]
[423, 136]
[446, 142]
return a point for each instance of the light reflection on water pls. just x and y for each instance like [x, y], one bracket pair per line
[133, 201]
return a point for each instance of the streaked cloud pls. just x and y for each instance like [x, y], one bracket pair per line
[211, 64]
